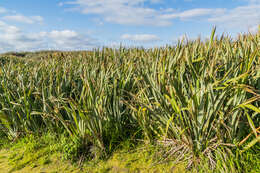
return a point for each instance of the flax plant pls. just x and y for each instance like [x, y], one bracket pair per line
[199, 100]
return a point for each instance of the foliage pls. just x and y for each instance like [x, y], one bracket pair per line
[199, 99]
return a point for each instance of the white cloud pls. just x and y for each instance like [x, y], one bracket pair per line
[197, 12]
[134, 12]
[2, 10]
[24, 19]
[37, 18]
[14, 39]
[254, 29]
[68, 39]
[60, 4]
[67, 34]
[128, 12]
[253, 1]
[137, 12]
[243, 17]
[140, 37]
[156, 1]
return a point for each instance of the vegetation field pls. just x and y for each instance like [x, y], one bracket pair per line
[191, 107]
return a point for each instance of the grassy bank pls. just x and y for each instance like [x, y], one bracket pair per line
[197, 102]
[46, 154]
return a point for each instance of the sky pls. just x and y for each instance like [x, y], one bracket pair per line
[31, 25]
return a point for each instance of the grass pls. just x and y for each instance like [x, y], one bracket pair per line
[35, 154]
[45, 153]
[196, 102]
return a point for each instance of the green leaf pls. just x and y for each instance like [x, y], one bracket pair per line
[252, 107]
[251, 123]
[251, 144]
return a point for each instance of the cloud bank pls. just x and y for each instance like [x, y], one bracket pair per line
[14, 39]
[137, 12]
[140, 37]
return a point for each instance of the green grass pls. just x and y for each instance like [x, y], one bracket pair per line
[46, 153]
[32, 153]
[197, 102]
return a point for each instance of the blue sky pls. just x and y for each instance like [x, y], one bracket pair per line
[28, 25]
